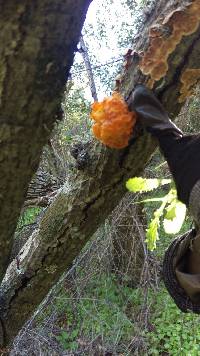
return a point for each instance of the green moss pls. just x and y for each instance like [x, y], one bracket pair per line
[28, 217]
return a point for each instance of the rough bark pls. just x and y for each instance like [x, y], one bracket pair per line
[41, 189]
[38, 40]
[90, 195]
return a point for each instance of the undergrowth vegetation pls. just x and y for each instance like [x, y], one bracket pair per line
[96, 311]
[173, 333]
[100, 312]
[113, 315]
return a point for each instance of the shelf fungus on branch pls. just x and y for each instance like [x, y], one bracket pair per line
[165, 36]
[189, 79]
[114, 122]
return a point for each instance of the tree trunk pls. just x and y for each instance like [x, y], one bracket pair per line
[41, 189]
[91, 194]
[38, 40]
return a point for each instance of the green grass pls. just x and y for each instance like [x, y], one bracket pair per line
[109, 311]
[101, 311]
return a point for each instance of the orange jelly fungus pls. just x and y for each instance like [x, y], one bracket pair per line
[113, 121]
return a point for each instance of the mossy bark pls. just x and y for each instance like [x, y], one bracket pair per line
[38, 40]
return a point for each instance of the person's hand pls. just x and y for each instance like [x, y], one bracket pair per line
[150, 111]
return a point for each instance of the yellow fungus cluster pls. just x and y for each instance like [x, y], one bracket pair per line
[113, 121]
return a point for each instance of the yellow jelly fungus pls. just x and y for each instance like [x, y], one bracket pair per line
[113, 121]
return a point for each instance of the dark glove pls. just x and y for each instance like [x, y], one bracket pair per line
[181, 265]
[151, 113]
[182, 152]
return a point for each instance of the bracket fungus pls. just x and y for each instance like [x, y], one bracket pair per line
[165, 36]
[189, 78]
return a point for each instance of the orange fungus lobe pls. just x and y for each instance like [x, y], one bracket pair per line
[113, 121]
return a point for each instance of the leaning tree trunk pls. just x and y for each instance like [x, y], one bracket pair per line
[167, 59]
[38, 40]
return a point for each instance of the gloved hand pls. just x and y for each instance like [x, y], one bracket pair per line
[182, 152]
[151, 113]
[182, 283]
[181, 265]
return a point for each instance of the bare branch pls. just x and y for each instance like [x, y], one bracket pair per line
[84, 52]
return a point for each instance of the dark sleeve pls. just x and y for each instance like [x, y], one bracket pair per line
[182, 154]
[182, 284]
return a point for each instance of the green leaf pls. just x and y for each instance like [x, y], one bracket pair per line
[152, 233]
[171, 211]
[174, 217]
[139, 184]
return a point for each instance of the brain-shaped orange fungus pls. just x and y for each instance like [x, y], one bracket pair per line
[113, 121]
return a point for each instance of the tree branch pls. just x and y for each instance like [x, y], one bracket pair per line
[83, 50]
